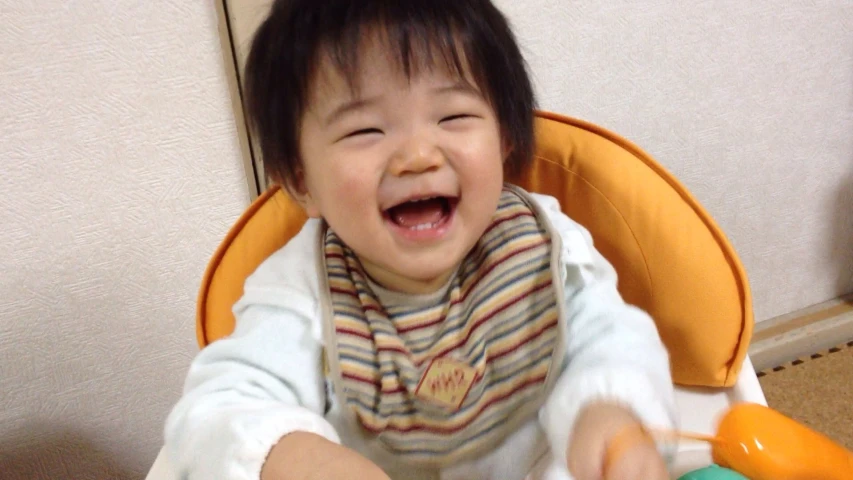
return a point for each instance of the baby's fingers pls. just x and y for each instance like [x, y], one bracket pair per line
[642, 462]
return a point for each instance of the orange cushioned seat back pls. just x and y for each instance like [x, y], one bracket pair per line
[672, 259]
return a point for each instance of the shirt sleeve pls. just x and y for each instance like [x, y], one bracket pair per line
[245, 392]
[613, 350]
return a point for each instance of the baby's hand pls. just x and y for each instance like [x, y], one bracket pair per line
[305, 456]
[608, 443]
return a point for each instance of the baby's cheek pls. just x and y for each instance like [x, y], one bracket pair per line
[353, 190]
[350, 189]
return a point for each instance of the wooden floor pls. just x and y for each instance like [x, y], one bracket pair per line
[817, 391]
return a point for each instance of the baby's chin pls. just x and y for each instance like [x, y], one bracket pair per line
[412, 278]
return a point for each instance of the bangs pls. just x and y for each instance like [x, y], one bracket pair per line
[414, 41]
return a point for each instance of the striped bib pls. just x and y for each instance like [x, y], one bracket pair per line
[441, 381]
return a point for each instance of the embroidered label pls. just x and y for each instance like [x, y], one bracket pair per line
[446, 382]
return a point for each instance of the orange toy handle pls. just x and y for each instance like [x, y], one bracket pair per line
[635, 434]
[759, 443]
[763, 444]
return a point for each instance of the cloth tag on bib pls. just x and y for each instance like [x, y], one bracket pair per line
[446, 382]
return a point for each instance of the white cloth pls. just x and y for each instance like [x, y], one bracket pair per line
[243, 393]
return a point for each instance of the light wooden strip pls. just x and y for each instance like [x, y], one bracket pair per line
[802, 333]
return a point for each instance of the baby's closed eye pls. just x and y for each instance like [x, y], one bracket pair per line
[457, 116]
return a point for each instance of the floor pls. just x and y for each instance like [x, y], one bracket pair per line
[816, 391]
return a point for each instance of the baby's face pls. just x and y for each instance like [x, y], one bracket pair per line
[408, 174]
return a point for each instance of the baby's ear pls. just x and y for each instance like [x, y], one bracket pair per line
[507, 148]
[299, 191]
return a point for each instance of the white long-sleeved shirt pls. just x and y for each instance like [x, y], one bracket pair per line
[245, 392]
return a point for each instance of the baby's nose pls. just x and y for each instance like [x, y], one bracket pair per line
[417, 157]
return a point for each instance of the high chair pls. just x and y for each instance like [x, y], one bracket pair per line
[672, 259]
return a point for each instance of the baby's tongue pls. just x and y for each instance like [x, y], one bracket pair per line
[412, 214]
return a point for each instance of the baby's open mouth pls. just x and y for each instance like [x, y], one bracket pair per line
[422, 214]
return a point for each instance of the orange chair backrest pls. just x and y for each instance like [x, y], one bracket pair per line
[672, 259]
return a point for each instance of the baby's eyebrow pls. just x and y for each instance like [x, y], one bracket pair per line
[458, 87]
[348, 106]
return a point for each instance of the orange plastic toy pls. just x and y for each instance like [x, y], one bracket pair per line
[762, 444]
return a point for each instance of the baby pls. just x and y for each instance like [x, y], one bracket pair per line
[430, 321]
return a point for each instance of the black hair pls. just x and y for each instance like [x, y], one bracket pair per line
[296, 35]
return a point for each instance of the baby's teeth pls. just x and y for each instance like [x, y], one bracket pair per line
[424, 226]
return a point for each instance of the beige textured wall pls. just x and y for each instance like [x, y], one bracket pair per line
[749, 103]
[120, 172]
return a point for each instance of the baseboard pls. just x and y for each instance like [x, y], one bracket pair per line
[802, 333]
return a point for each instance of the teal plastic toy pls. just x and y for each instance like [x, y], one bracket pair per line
[714, 472]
